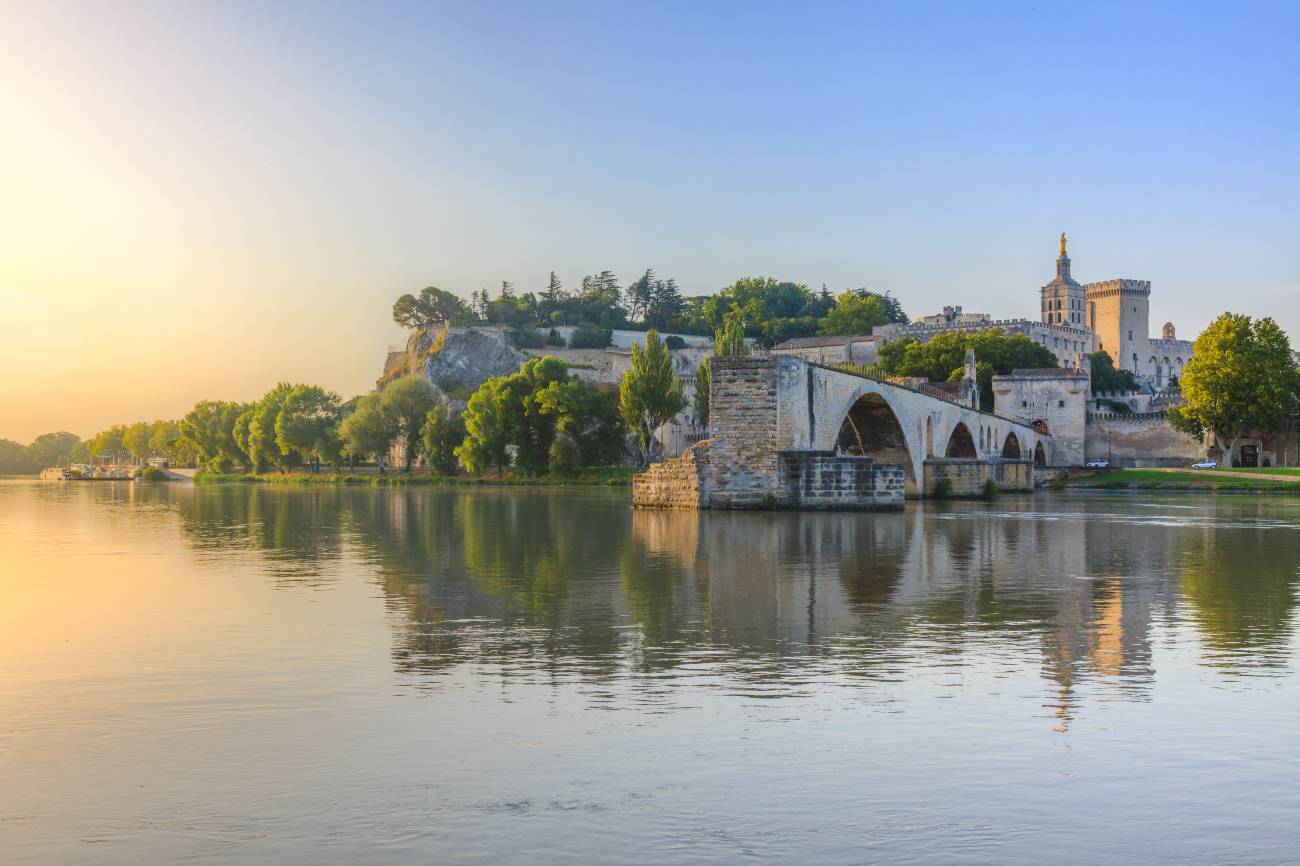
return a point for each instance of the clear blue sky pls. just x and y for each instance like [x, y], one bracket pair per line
[282, 171]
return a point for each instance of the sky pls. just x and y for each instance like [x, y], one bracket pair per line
[198, 200]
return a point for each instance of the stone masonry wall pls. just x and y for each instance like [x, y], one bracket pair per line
[1139, 440]
[968, 477]
[743, 449]
[677, 483]
[822, 479]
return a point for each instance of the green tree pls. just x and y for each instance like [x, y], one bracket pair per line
[50, 449]
[164, 438]
[772, 310]
[550, 420]
[13, 458]
[650, 393]
[263, 444]
[1242, 378]
[487, 439]
[209, 428]
[589, 430]
[943, 357]
[406, 403]
[307, 425]
[858, 312]
[432, 307]
[135, 439]
[1105, 378]
[109, 442]
[368, 431]
[443, 431]
[703, 381]
[729, 340]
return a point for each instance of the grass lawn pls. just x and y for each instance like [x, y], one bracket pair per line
[1166, 479]
[1292, 471]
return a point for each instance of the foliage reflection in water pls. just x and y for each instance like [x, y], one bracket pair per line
[374, 647]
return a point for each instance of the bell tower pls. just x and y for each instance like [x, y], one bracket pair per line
[1063, 297]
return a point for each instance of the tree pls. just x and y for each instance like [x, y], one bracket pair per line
[552, 422]
[1105, 378]
[858, 312]
[486, 443]
[442, 432]
[13, 458]
[209, 428]
[665, 305]
[772, 310]
[50, 449]
[406, 404]
[639, 294]
[368, 432]
[943, 357]
[135, 439]
[554, 302]
[729, 340]
[262, 443]
[308, 425]
[1242, 378]
[432, 307]
[588, 428]
[650, 393]
[700, 398]
[164, 438]
[108, 442]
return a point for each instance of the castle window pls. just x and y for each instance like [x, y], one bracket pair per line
[1130, 336]
[1060, 404]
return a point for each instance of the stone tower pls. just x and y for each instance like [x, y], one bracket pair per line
[1063, 298]
[1167, 332]
[1119, 314]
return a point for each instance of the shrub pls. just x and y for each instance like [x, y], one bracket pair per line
[526, 338]
[153, 473]
[589, 336]
[991, 489]
[942, 488]
[1058, 483]
[554, 339]
[672, 341]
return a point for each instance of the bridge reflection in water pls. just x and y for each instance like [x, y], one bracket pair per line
[577, 585]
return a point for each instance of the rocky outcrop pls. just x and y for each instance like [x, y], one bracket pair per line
[466, 358]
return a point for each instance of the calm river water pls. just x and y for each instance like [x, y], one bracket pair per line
[247, 674]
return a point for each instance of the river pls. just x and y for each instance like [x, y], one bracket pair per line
[266, 674]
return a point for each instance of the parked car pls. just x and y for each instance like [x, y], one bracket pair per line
[1100, 463]
[1206, 464]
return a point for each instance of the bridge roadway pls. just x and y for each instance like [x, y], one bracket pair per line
[788, 433]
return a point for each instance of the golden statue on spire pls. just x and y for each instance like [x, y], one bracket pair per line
[1062, 243]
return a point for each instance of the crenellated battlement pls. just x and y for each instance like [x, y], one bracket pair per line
[1107, 288]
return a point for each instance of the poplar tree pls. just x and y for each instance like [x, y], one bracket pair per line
[650, 393]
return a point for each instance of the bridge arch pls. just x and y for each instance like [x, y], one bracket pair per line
[871, 428]
[1011, 447]
[961, 445]
[1040, 456]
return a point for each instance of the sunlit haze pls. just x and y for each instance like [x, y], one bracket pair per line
[200, 200]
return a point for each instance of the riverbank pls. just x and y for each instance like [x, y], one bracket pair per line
[1276, 480]
[603, 477]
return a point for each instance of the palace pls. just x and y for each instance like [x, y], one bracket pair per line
[1112, 316]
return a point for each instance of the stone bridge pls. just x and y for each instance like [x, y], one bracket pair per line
[789, 433]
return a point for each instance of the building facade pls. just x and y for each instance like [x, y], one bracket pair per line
[1077, 319]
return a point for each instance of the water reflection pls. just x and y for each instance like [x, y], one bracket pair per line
[577, 585]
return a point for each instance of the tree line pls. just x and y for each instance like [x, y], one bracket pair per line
[772, 310]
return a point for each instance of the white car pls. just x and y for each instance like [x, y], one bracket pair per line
[1206, 464]
[1100, 463]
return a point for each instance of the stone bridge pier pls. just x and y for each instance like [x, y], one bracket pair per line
[787, 433]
